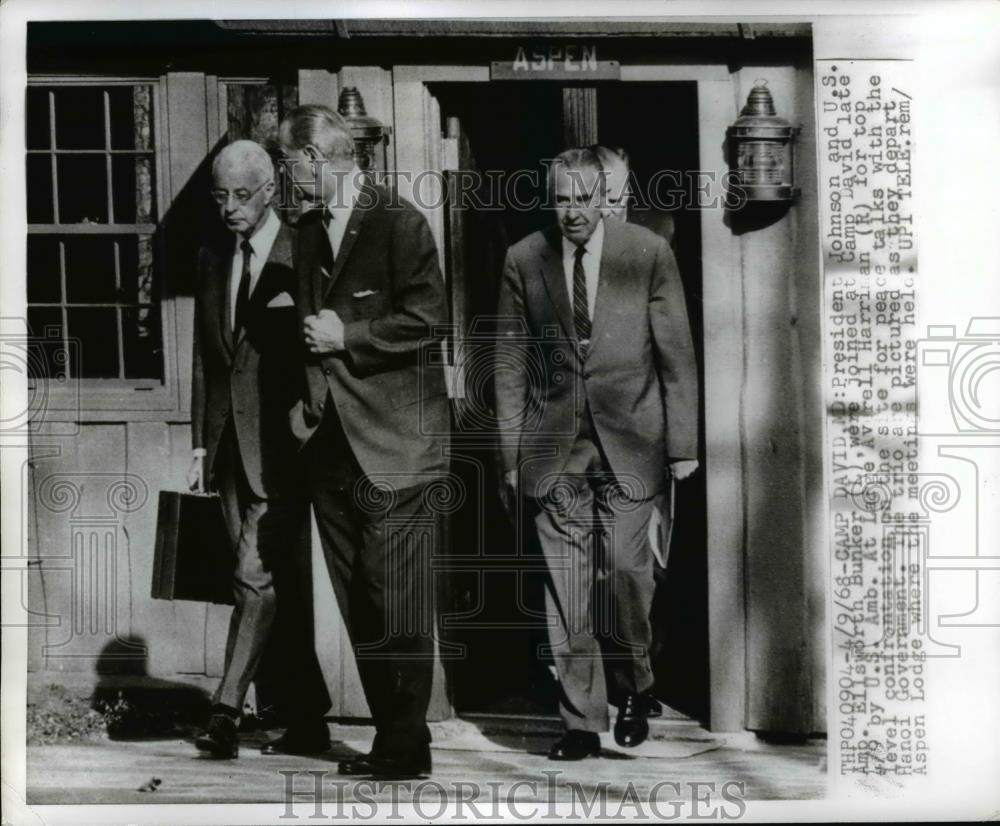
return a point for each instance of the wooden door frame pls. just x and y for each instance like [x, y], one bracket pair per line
[415, 121]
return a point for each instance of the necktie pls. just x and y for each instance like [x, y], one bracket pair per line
[243, 292]
[581, 310]
[326, 249]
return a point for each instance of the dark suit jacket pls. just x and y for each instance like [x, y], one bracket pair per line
[254, 379]
[389, 384]
[639, 376]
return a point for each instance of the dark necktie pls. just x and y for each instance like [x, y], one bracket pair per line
[581, 311]
[326, 246]
[243, 292]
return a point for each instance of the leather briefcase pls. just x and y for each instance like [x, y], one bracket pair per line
[194, 557]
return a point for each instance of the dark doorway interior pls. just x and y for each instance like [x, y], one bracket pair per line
[502, 128]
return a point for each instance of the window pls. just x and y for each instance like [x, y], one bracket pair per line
[253, 109]
[93, 300]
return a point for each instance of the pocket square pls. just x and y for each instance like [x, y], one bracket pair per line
[364, 293]
[281, 300]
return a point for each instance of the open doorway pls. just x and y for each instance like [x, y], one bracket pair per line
[500, 129]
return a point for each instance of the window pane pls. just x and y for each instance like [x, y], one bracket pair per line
[252, 112]
[131, 117]
[122, 129]
[145, 205]
[123, 180]
[46, 354]
[96, 331]
[132, 177]
[80, 117]
[37, 119]
[83, 192]
[39, 184]
[142, 343]
[90, 269]
[135, 256]
[43, 269]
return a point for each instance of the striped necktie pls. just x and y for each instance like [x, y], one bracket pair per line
[581, 310]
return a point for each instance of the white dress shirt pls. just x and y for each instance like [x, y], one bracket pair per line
[341, 205]
[591, 265]
[260, 250]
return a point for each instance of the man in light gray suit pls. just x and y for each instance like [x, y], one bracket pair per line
[591, 433]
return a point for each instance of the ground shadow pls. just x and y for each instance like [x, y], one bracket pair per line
[138, 706]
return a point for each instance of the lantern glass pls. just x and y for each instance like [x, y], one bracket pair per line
[762, 150]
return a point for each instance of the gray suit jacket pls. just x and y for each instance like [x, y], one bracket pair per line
[639, 376]
[255, 378]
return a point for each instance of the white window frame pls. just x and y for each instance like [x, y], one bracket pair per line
[96, 398]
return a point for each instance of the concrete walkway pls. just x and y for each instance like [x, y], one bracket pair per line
[504, 756]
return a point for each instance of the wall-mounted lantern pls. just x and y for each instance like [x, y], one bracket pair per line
[762, 147]
[370, 136]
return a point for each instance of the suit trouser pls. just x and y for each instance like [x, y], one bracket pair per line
[599, 586]
[272, 615]
[378, 546]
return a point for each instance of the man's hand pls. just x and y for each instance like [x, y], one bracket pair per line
[683, 469]
[324, 333]
[196, 473]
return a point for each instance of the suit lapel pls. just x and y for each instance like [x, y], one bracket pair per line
[367, 196]
[264, 290]
[554, 278]
[219, 298]
[312, 235]
[612, 254]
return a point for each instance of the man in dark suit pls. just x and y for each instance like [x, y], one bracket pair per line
[373, 422]
[606, 409]
[245, 351]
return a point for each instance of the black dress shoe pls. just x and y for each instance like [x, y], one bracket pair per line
[301, 738]
[653, 706]
[219, 738]
[632, 727]
[389, 766]
[575, 745]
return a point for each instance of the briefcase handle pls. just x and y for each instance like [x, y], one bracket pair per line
[205, 494]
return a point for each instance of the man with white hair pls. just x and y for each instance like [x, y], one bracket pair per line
[245, 351]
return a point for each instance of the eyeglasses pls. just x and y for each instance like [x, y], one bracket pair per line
[241, 196]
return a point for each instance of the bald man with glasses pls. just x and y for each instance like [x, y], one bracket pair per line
[245, 359]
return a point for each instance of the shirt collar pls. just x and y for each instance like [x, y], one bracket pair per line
[592, 245]
[263, 239]
[345, 200]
